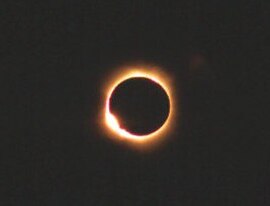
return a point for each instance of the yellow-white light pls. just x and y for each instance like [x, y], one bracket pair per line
[110, 119]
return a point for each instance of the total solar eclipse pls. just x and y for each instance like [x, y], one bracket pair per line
[139, 105]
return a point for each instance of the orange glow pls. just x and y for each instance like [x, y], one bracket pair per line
[110, 120]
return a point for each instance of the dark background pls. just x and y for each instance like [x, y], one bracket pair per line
[55, 56]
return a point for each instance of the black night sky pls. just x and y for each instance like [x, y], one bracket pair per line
[56, 57]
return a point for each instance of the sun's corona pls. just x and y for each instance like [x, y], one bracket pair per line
[110, 119]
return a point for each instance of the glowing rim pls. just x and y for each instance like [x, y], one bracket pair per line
[112, 122]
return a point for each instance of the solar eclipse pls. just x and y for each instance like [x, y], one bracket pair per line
[138, 105]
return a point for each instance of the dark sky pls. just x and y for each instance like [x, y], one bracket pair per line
[55, 57]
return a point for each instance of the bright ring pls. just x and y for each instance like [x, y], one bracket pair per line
[111, 121]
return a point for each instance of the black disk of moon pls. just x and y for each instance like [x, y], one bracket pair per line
[140, 105]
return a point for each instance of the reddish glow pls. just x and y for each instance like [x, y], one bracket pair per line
[110, 120]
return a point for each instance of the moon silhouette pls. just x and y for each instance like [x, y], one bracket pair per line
[140, 105]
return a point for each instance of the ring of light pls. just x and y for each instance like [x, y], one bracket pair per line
[111, 120]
